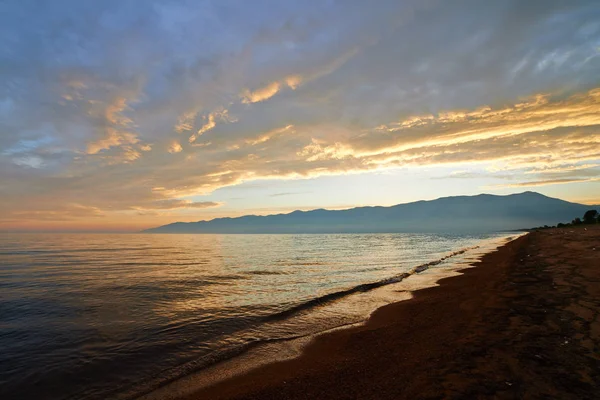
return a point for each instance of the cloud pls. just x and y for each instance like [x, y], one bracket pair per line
[114, 124]
[269, 135]
[261, 94]
[67, 212]
[270, 90]
[293, 81]
[211, 118]
[210, 123]
[539, 132]
[549, 169]
[175, 147]
[284, 90]
[172, 204]
[185, 122]
[546, 182]
[286, 194]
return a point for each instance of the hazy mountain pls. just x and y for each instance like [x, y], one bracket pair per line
[482, 213]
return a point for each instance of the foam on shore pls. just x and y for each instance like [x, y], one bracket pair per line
[359, 302]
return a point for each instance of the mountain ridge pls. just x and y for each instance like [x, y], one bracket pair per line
[479, 213]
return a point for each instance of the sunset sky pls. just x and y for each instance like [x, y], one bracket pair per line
[123, 115]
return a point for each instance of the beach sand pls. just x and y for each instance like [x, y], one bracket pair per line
[523, 324]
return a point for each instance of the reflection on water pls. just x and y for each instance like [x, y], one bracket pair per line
[97, 316]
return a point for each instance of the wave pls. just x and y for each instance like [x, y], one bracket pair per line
[365, 287]
[264, 272]
[307, 262]
[221, 355]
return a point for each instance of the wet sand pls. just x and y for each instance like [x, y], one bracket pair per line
[523, 324]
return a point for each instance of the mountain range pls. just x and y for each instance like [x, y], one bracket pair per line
[458, 214]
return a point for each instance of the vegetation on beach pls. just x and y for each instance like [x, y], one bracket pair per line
[589, 218]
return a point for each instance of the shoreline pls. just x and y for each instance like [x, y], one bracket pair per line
[509, 328]
[386, 293]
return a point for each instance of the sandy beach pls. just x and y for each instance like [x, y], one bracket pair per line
[522, 324]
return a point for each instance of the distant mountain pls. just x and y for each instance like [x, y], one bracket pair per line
[460, 214]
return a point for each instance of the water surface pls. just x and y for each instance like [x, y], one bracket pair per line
[112, 316]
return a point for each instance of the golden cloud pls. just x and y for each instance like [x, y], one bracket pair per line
[535, 136]
[211, 122]
[116, 131]
[113, 138]
[551, 140]
[269, 135]
[186, 121]
[270, 90]
[541, 131]
[175, 147]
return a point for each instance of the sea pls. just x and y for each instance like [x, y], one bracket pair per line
[118, 316]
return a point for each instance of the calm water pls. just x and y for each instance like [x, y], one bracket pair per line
[111, 316]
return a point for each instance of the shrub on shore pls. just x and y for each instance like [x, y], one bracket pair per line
[590, 217]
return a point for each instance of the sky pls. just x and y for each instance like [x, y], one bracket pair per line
[128, 114]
